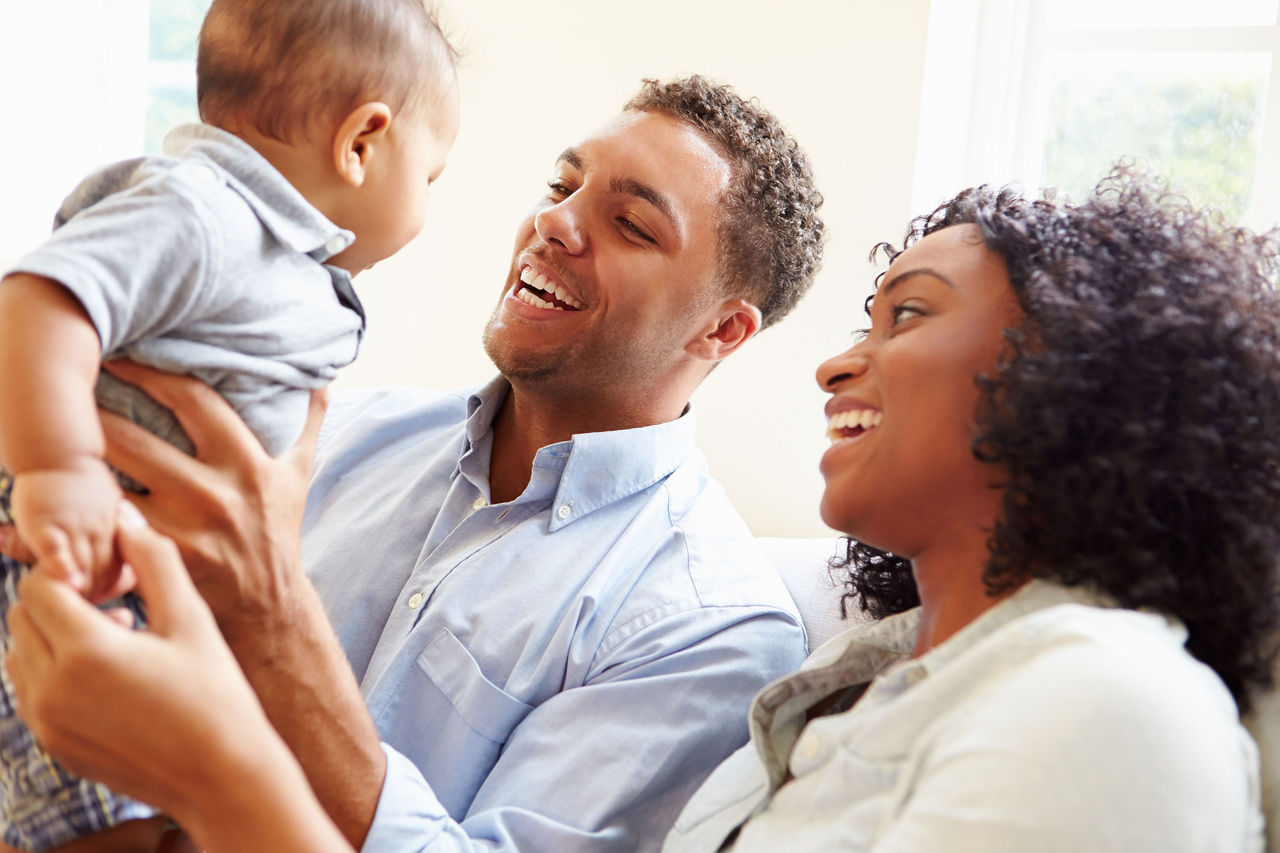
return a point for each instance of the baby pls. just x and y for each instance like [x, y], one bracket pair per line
[230, 257]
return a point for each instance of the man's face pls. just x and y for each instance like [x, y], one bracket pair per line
[614, 268]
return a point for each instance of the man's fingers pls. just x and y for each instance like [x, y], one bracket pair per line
[12, 546]
[140, 455]
[208, 419]
[304, 450]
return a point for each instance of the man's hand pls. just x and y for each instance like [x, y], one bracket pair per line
[236, 516]
[234, 511]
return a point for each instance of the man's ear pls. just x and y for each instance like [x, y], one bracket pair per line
[356, 139]
[729, 327]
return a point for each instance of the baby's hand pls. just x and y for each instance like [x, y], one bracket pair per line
[67, 516]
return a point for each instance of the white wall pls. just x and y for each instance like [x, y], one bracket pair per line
[537, 75]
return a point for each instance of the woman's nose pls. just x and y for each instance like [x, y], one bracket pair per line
[847, 365]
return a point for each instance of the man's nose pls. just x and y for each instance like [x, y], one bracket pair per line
[563, 224]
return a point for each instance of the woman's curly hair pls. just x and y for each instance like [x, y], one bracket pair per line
[1136, 413]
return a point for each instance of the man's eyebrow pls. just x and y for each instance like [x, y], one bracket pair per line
[571, 156]
[626, 186]
[912, 273]
[632, 187]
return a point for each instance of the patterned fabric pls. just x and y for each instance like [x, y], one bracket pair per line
[41, 804]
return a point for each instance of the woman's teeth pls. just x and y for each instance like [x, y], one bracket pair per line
[855, 422]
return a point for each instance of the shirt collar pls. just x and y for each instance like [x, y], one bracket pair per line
[596, 468]
[283, 210]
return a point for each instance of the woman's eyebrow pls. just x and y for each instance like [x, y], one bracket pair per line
[912, 273]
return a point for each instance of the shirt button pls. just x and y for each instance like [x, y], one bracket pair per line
[415, 601]
[335, 244]
[563, 511]
[479, 503]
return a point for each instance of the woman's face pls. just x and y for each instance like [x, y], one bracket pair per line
[900, 471]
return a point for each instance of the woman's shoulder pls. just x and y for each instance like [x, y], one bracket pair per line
[1111, 659]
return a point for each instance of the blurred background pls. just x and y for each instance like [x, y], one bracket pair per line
[898, 104]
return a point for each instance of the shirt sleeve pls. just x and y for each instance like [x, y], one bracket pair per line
[139, 261]
[608, 765]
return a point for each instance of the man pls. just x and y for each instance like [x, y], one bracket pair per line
[553, 613]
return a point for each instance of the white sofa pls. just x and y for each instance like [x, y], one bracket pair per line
[802, 563]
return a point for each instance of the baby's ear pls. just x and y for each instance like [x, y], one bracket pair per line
[357, 140]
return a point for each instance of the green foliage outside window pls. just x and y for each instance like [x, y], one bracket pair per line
[175, 27]
[1199, 130]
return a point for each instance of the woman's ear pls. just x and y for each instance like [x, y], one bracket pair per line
[357, 138]
[729, 327]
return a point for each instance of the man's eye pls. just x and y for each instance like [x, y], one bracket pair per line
[559, 188]
[628, 225]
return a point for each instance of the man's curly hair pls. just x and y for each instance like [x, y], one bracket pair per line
[770, 234]
[1136, 413]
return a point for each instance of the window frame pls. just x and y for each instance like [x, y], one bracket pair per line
[984, 104]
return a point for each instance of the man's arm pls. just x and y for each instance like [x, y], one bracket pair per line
[604, 766]
[236, 513]
[607, 766]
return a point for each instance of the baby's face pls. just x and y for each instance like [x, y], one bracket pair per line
[394, 206]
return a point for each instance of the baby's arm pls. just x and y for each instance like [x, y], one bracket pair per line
[50, 439]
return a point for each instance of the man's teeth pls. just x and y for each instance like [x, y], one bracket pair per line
[857, 418]
[525, 296]
[546, 285]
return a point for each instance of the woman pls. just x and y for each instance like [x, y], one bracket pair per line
[1058, 437]
[1061, 439]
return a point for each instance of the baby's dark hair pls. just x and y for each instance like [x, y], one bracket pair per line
[282, 66]
[770, 234]
[1136, 413]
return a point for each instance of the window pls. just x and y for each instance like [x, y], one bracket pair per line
[171, 66]
[99, 81]
[1053, 93]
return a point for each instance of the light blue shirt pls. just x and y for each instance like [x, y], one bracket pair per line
[555, 673]
[1054, 722]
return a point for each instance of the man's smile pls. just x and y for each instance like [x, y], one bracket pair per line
[541, 292]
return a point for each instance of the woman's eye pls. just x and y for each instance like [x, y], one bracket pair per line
[860, 335]
[902, 313]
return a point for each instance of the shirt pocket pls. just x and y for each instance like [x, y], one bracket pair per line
[450, 720]
[487, 709]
